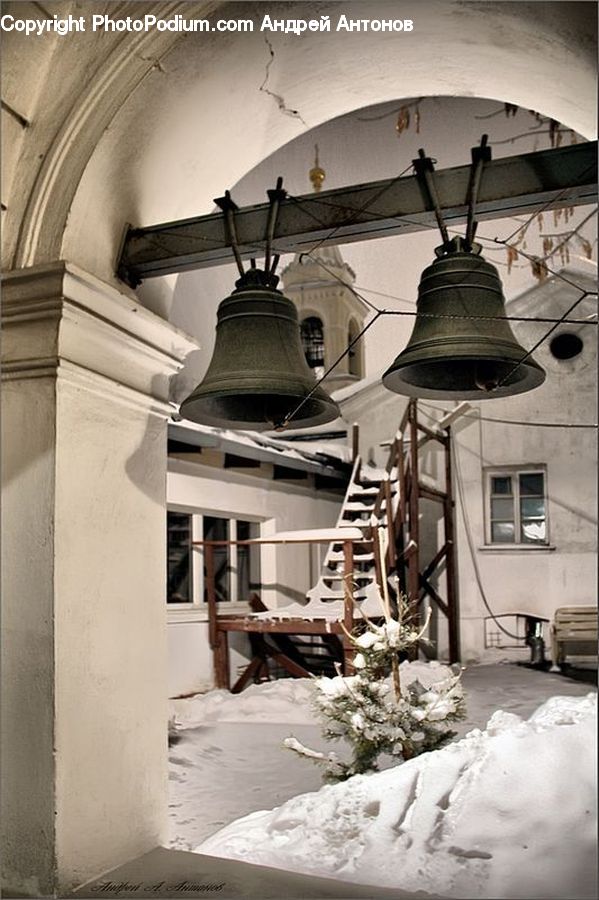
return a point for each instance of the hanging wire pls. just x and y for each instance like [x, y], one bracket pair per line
[414, 313]
[571, 234]
[360, 211]
[540, 341]
[441, 224]
[317, 384]
[529, 256]
[453, 230]
[545, 206]
[545, 320]
[476, 417]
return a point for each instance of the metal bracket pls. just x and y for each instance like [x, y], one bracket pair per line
[229, 208]
[480, 155]
[275, 197]
[424, 168]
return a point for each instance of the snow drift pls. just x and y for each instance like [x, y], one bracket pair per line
[508, 812]
[288, 700]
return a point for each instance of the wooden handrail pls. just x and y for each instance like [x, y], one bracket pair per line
[340, 540]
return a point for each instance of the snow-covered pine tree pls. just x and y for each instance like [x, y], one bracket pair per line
[384, 708]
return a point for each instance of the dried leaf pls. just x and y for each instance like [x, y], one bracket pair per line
[539, 269]
[403, 120]
[554, 133]
[512, 256]
[587, 247]
[417, 119]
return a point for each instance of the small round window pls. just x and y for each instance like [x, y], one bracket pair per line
[566, 346]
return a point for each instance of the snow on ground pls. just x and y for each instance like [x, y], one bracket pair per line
[493, 815]
[287, 700]
[502, 813]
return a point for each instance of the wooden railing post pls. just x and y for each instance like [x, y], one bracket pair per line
[210, 593]
[414, 557]
[391, 549]
[219, 640]
[355, 441]
[450, 562]
[348, 609]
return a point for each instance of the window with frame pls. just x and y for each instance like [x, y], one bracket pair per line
[236, 566]
[517, 506]
[178, 558]
[312, 335]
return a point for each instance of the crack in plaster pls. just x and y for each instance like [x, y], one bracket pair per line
[280, 101]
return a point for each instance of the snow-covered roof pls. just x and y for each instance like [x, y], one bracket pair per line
[253, 445]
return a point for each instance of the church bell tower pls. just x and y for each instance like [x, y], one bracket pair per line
[331, 316]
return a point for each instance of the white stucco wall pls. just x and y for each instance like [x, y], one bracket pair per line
[287, 572]
[28, 767]
[564, 573]
[84, 626]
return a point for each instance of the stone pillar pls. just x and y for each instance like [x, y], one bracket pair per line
[84, 699]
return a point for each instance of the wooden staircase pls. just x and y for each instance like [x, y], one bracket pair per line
[378, 503]
[387, 501]
[363, 508]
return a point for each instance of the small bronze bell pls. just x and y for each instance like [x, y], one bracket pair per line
[462, 358]
[258, 378]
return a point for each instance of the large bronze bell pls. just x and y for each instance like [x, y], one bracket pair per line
[462, 358]
[258, 378]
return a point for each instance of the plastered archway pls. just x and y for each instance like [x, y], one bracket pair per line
[211, 122]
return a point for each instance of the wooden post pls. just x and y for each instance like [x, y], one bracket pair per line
[222, 676]
[348, 612]
[355, 441]
[400, 519]
[414, 557]
[391, 549]
[450, 561]
[210, 593]
[219, 640]
[378, 562]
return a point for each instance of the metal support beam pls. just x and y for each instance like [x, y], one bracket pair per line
[510, 186]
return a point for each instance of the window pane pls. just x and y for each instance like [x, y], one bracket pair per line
[502, 532]
[313, 341]
[531, 484]
[216, 529]
[501, 484]
[533, 532]
[532, 507]
[178, 542]
[502, 508]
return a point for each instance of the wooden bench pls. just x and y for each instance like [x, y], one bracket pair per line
[573, 633]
